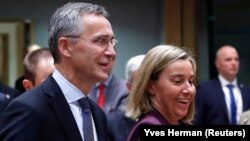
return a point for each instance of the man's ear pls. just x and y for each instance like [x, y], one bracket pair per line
[64, 46]
[27, 84]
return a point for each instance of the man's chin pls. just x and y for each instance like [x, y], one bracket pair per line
[104, 77]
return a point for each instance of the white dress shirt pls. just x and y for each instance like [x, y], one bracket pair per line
[237, 96]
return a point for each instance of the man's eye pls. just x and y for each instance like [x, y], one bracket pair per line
[100, 40]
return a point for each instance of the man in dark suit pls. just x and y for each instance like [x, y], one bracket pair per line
[214, 103]
[115, 93]
[82, 43]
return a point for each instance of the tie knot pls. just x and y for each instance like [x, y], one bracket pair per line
[84, 103]
[230, 86]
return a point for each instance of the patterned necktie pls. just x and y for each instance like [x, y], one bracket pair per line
[232, 104]
[87, 121]
[101, 97]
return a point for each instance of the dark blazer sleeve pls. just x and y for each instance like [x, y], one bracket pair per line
[18, 128]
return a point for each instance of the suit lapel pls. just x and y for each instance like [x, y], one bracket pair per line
[221, 98]
[62, 110]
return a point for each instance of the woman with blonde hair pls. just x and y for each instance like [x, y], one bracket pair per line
[163, 90]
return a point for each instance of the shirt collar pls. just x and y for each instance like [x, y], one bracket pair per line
[71, 92]
[224, 82]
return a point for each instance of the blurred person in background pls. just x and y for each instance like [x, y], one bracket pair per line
[38, 64]
[117, 118]
[220, 101]
[110, 94]
[19, 82]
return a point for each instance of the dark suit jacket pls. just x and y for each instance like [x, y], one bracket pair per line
[211, 105]
[3, 102]
[115, 96]
[10, 93]
[43, 114]
[119, 126]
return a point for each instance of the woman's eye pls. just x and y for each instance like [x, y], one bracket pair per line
[177, 81]
[191, 82]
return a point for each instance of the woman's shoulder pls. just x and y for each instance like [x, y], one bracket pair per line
[153, 117]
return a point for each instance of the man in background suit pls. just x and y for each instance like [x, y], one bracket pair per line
[19, 82]
[115, 93]
[213, 97]
[117, 118]
[38, 65]
[82, 43]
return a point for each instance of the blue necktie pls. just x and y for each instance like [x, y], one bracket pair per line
[87, 121]
[232, 104]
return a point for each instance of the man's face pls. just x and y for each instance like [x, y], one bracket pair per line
[227, 62]
[93, 55]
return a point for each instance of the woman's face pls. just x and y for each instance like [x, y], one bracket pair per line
[174, 91]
